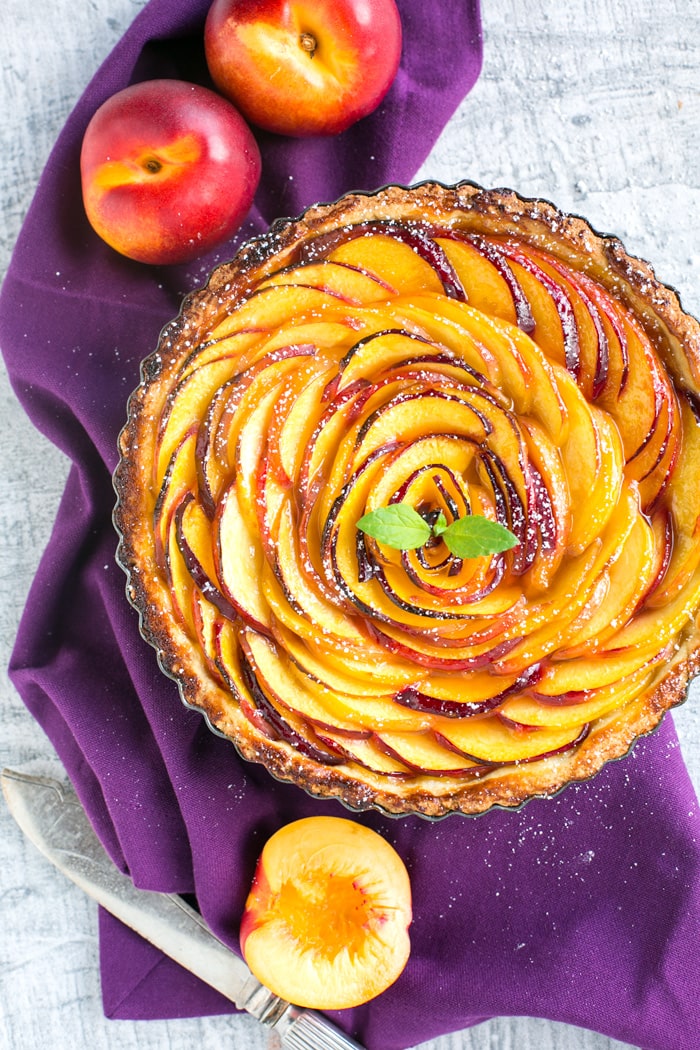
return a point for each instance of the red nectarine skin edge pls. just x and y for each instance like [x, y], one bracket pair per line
[256, 904]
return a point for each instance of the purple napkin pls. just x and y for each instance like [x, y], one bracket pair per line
[584, 909]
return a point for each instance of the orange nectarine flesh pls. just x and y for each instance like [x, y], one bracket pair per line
[326, 920]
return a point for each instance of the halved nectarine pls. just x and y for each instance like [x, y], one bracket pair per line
[326, 921]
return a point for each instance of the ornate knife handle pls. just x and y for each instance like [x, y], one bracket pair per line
[310, 1031]
[298, 1029]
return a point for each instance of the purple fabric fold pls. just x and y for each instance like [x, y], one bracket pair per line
[584, 908]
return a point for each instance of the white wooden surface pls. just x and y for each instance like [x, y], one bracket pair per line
[595, 105]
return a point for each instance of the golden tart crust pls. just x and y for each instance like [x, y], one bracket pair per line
[466, 351]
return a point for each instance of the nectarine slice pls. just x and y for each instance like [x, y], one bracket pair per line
[486, 288]
[233, 348]
[185, 406]
[491, 740]
[326, 921]
[367, 753]
[238, 557]
[575, 708]
[180, 478]
[366, 671]
[346, 282]
[275, 306]
[179, 580]
[388, 259]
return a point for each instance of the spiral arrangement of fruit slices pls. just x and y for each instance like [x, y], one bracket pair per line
[461, 374]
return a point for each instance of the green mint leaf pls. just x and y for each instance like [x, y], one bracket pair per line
[398, 526]
[440, 525]
[474, 536]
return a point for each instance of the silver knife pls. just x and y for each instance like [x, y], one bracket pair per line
[50, 814]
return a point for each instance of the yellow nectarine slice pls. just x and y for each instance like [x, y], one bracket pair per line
[367, 753]
[682, 496]
[366, 670]
[486, 289]
[491, 740]
[299, 590]
[320, 705]
[583, 314]
[493, 339]
[594, 463]
[334, 335]
[346, 282]
[423, 415]
[548, 332]
[499, 603]
[297, 427]
[610, 314]
[239, 558]
[647, 388]
[442, 320]
[545, 460]
[326, 921]
[575, 577]
[546, 405]
[629, 576]
[593, 704]
[247, 445]
[381, 351]
[390, 260]
[331, 446]
[470, 687]
[180, 478]
[658, 626]
[508, 356]
[179, 581]
[599, 670]
[185, 406]
[208, 622]
[448, 450]
[423, 752]
[234, 346]
[275, 306]
[263, 385]
[275, 674]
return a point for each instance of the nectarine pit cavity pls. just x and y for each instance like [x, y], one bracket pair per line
[152, 165]
[328, 912]
[308, 44]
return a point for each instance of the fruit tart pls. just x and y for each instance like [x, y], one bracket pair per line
[468, 354]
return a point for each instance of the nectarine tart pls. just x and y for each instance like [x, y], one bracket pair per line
[437, 359]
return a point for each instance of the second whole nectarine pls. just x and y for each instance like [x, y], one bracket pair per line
[303, 68]
[169, 170]
[326, 920]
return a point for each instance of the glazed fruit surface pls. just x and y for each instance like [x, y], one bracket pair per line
[465, 352]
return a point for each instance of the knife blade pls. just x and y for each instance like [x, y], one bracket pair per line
[50, 814]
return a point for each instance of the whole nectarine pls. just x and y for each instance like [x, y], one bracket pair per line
[326, 920]
[169, 170]
[303, 68]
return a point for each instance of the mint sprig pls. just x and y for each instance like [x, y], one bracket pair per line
[401, 526]
[475, 536]
[398, 526]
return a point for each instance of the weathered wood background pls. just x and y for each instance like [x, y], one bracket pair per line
[595, 105]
